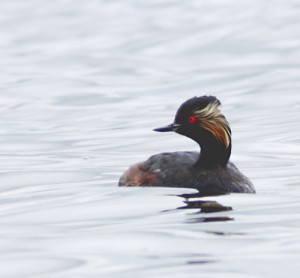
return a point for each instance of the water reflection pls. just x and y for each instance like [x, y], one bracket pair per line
[202, 194]
[225, 233]
[206, 206]
[202, 262]
[209, 219]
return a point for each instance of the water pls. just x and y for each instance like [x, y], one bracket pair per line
[83, 83]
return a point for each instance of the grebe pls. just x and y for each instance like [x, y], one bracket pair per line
[210, 172]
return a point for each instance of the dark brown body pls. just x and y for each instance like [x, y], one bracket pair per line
[179, 169]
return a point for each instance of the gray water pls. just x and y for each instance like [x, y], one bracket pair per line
[83, 83]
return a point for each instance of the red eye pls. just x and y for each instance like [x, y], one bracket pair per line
[191, 119]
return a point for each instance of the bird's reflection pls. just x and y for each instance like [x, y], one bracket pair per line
[209, 219]
[204, 207]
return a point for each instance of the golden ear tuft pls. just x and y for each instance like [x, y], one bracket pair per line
[211, 119]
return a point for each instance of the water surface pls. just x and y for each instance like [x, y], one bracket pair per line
[83, 83]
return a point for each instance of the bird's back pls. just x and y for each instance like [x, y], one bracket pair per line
[178, 169]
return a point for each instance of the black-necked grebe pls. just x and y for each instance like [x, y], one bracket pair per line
[210, 172]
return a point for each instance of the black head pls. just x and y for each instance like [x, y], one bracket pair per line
[200, 119]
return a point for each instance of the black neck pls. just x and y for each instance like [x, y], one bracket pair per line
[213, 153]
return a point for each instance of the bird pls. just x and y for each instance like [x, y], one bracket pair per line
[208, 171]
